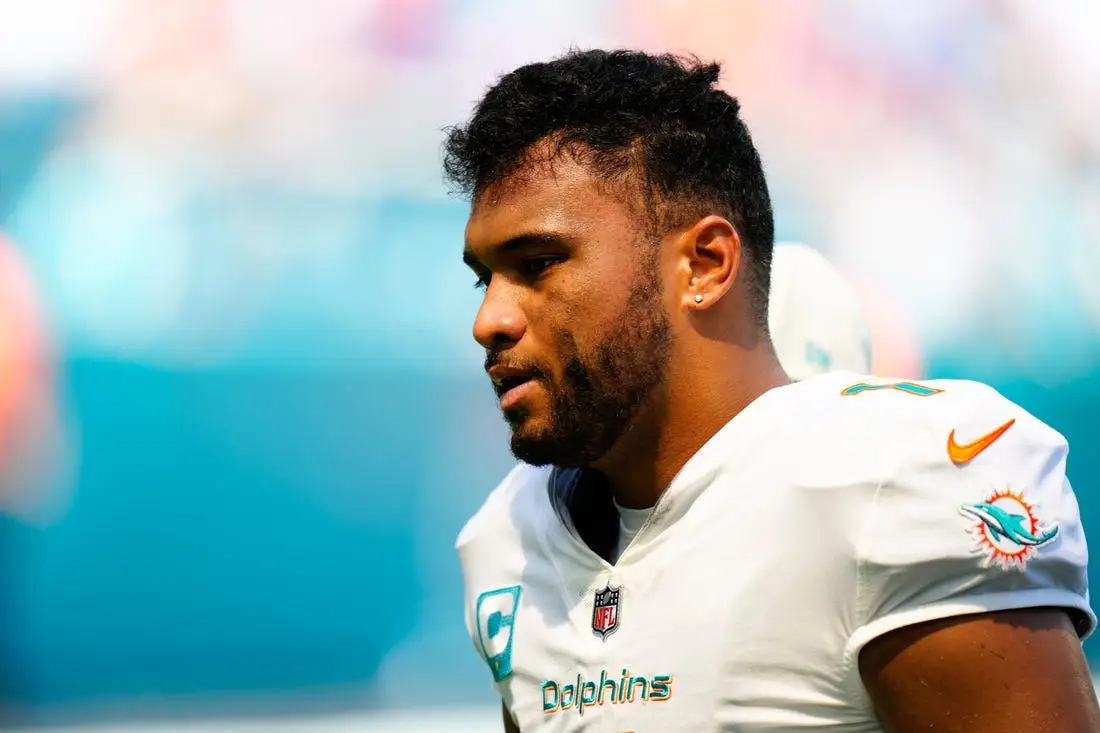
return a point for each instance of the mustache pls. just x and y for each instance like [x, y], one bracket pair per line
[495, 357]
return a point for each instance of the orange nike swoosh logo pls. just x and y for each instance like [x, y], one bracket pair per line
[960, 454]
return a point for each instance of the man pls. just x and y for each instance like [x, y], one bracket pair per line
[838, 554]
[815, 319]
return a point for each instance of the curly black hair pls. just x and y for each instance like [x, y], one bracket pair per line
[659, 119]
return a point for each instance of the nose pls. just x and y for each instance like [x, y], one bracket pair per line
[500, 320]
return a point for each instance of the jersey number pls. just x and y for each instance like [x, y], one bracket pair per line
[917, 390]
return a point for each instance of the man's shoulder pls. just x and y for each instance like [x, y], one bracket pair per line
[953, 420]
[517, 501]
[971, 510]
[846, 431]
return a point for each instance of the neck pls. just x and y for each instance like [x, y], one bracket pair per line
[643, 463]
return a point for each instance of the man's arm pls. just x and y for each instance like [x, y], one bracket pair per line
[1019, 670]
[509, 724]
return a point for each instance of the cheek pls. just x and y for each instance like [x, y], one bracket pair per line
[585, 319]
[579, 310]
[565, 304]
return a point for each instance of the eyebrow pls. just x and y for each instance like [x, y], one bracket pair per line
[518, 243]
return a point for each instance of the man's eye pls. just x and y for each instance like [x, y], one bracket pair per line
[537, 265]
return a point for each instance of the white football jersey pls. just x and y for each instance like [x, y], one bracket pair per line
[825, 514]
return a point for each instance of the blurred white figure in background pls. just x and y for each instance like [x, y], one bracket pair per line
[816, 320]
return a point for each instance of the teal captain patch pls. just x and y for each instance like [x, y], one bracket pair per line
[496, 621]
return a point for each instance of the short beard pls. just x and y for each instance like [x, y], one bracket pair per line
[605, 390]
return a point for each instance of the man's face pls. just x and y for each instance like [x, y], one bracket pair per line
[573, 323]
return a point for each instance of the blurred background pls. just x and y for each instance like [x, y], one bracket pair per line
[241, 415]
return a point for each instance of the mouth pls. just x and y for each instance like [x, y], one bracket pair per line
[511, 385]
[507, 384]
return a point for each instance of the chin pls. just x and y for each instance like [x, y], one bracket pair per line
[534, 446]
[525, 421]
[526, 433]
[534, 452]
[546, 448]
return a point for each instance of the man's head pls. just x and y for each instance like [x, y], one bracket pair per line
[615, 197]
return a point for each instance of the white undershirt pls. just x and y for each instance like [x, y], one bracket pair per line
[630, 521]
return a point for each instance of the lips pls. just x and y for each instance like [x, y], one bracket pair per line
[505, 379]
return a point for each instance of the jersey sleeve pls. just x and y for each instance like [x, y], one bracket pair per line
[470, 547]
[491, 559]
[978, 522]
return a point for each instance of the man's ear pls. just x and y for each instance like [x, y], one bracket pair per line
[710, 255]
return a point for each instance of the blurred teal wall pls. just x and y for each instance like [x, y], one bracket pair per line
[250, 531]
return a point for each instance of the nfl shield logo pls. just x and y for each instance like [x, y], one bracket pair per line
[605, 611]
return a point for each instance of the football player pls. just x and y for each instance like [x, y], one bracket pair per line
[842, 553]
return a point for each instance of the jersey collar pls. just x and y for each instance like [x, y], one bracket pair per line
[583, 504]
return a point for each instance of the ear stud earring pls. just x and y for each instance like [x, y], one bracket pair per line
[698, 298]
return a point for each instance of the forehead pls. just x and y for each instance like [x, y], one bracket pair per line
[562, 198]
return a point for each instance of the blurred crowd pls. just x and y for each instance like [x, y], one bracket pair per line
[225, 163]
